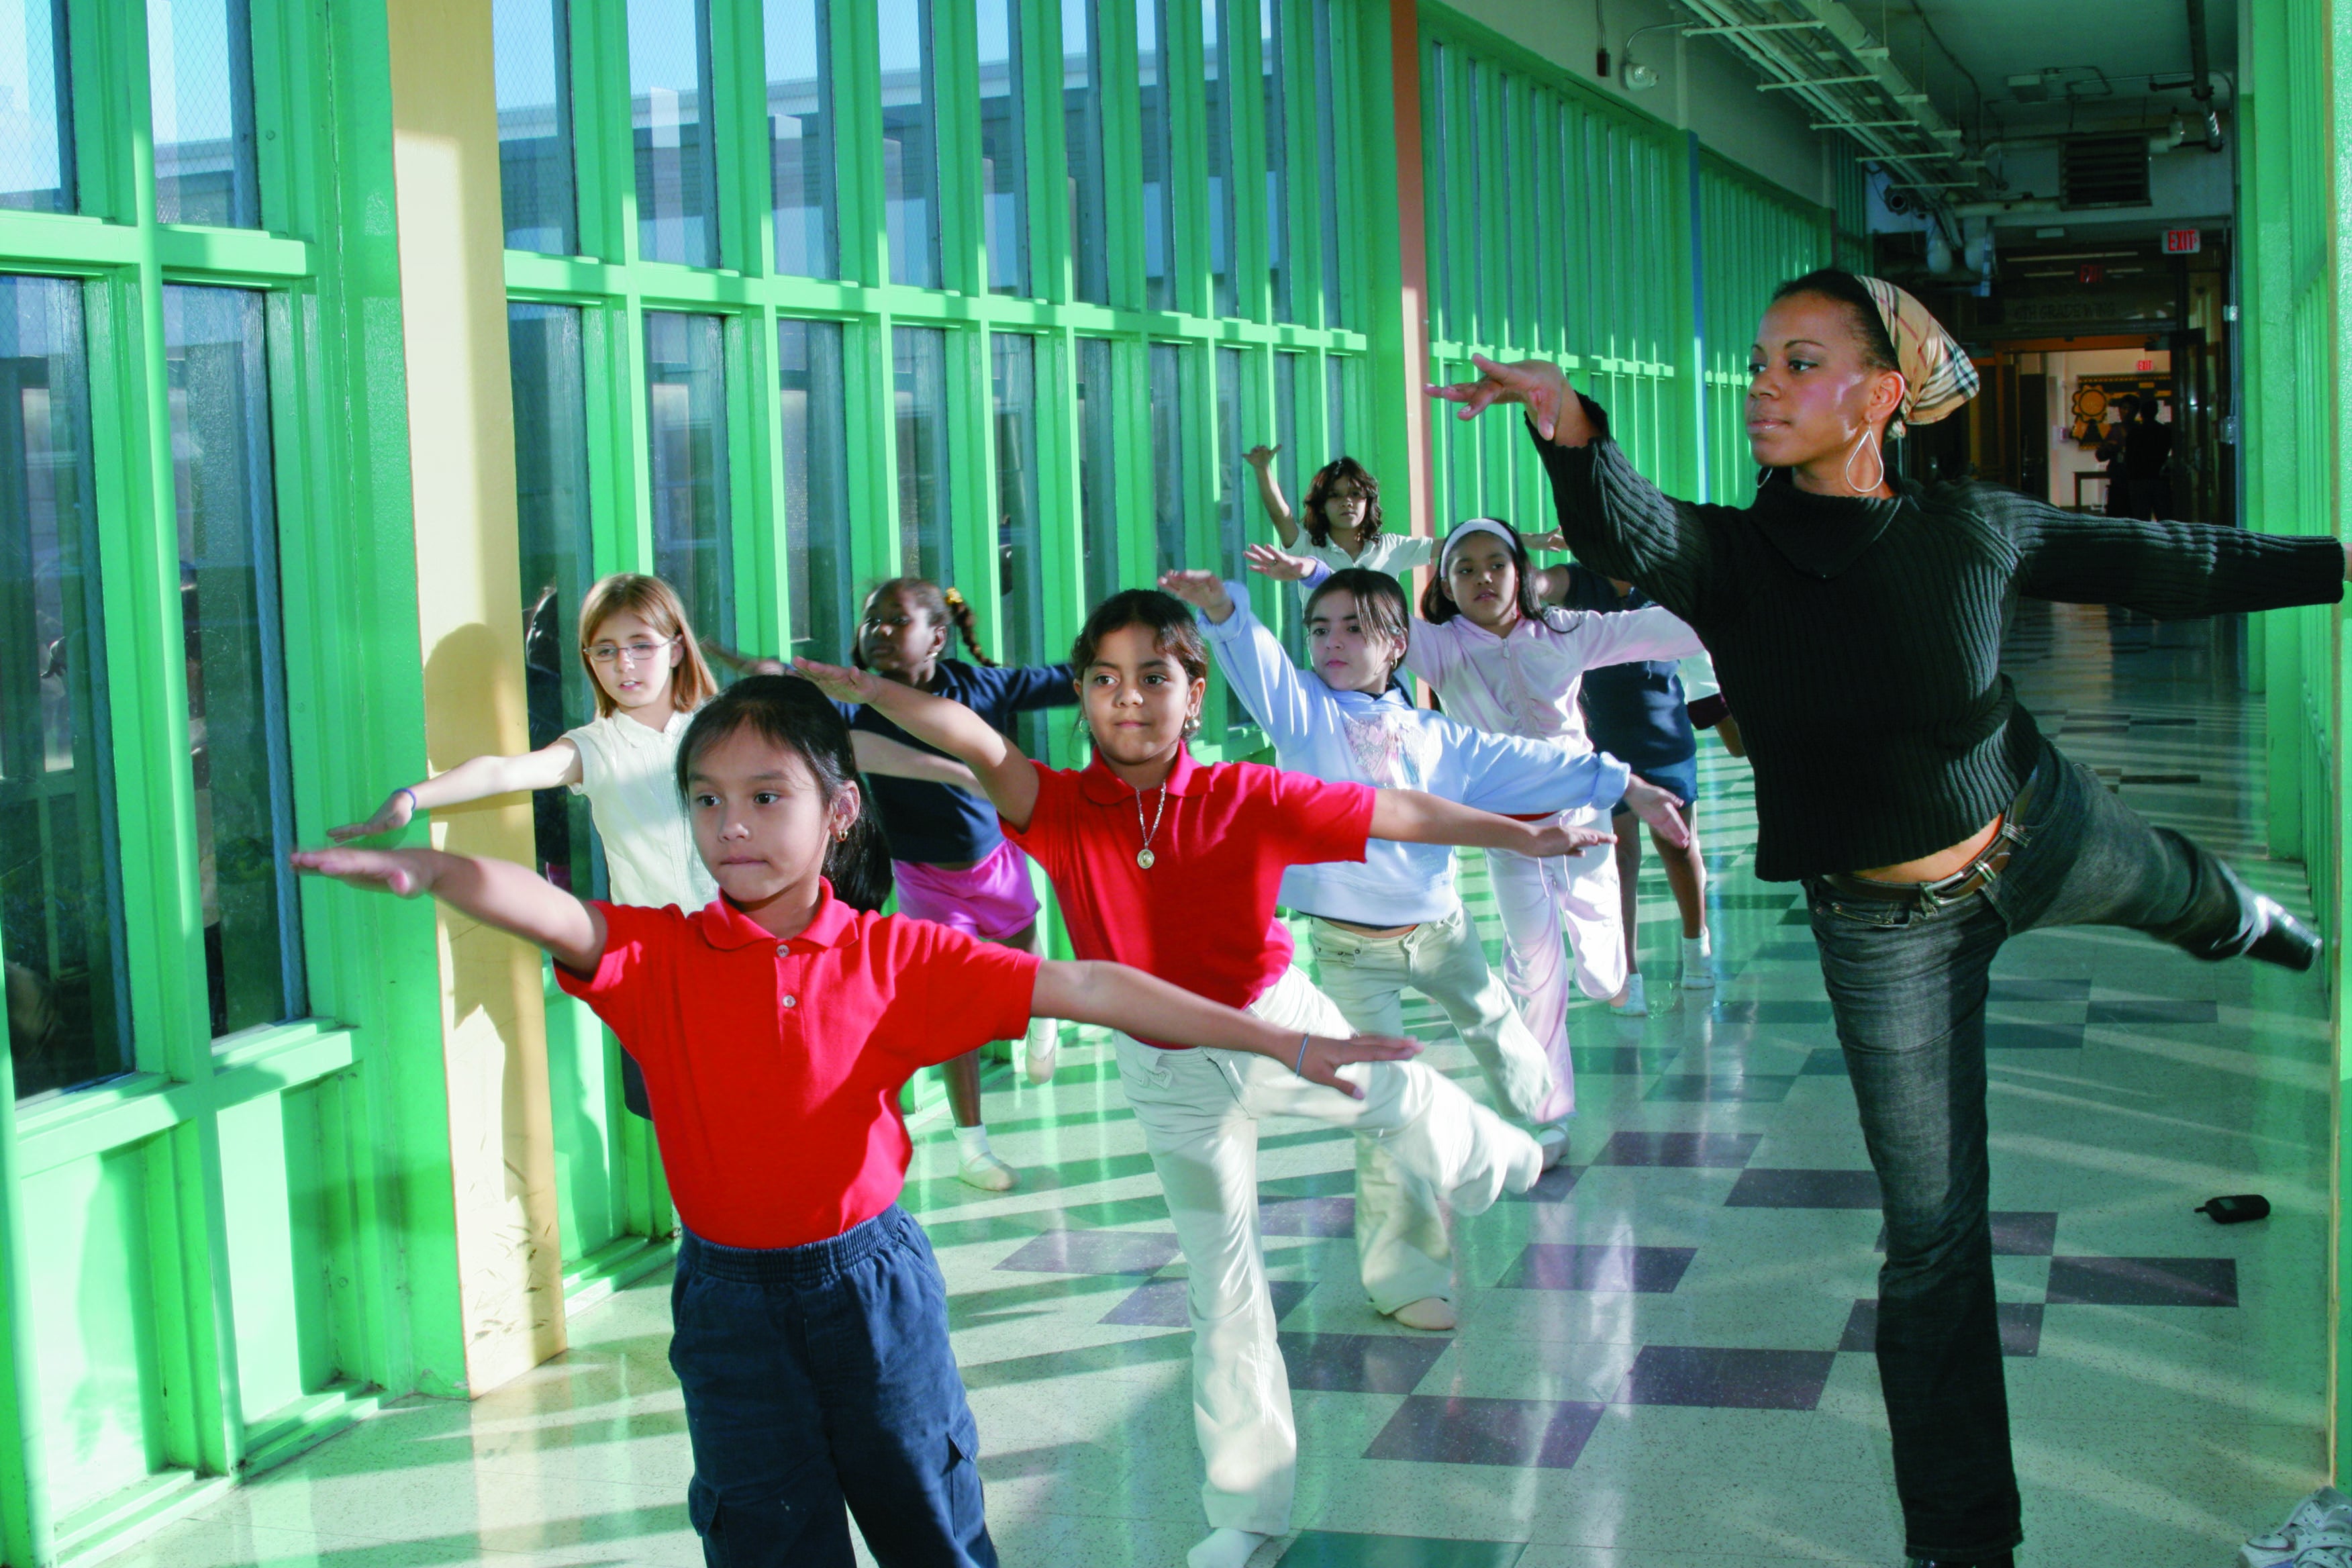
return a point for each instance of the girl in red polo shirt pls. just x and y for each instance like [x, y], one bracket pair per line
[812, 1335]
[1173, 866]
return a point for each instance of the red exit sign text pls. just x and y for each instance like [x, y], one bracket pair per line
[2183, 241]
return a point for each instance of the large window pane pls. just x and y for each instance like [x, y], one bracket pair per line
[800, 128]
[910, 164]
[1168, 473]
[1234, 489]
[532, 55]
[1436, 180]
[1217, 113]
[60, 891]
[200, 95]
[36, 110]
[554, 535]
[1097, 471]
[1271, 53]
[1021, 567]
[669, 107]
[237, 660]
[1328, 81]
[1159, 157]
[1082, 137]
[1335, 401]
[1291, 468]
[816, 489]
[1004, 172]
[919, 402]
[686, 409]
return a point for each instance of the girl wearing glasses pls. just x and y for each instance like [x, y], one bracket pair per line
[649, 677]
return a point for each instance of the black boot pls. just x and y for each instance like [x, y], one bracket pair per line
[2284, 939]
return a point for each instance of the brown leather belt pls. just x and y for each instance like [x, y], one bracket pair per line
[1973, 878]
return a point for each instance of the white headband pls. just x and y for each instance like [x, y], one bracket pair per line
[1462, 530]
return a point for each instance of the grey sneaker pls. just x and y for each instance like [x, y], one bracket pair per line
[2322, 1522]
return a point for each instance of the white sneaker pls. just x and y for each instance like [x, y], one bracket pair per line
[2328, 1549]
[989, 1173]
[2322, 1522]
[1431, 1315]
[1040, 1050]
[1553, 1142]
[1699, 962]
[1631, 1003]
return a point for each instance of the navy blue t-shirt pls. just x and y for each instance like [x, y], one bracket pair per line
[1635, 712]
[937, 824]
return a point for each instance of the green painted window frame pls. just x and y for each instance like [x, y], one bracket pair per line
[359, 1082]
[1752, 236]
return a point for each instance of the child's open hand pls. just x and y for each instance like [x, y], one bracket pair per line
[1661, 810]
[841, 682]
[1259, 456]
[1267, 561]
[1203, 590]
[401, 872]
[397, 812]
[1557, 838]
[1326, 1056]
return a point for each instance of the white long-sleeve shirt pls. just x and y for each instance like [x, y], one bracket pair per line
[1386, 742]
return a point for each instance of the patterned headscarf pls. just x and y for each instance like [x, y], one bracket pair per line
[1936, 374]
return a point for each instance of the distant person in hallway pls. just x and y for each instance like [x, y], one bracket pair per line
[776, 1027]
[1340, 523]
[2147, 463]
[2110, 451]
[1856, 619]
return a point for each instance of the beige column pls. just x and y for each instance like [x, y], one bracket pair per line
[469, 609]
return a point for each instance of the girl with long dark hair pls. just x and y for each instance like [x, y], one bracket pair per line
[1856, 621]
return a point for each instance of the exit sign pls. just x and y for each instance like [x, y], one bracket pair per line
[2183, 241]
[2146, 365]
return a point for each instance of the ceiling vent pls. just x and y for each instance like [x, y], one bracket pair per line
[2104, 172]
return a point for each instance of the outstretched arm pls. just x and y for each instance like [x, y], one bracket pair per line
[1409, 817]
[551, 767]
[1135, 1003]
[2171, 570]
[496, 892]
[1004, 774]
[741, 662]
[1269, 493]
[896, 758]
[1277, 695]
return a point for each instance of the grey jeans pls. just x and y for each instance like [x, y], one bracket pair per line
[1907, 988]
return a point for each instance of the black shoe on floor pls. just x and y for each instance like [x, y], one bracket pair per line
[2285, 940]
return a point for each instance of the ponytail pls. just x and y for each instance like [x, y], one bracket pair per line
[960, 611]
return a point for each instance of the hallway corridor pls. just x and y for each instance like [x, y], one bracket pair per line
[1661, 1359]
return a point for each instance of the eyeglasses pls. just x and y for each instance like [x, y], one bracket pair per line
[635, 652]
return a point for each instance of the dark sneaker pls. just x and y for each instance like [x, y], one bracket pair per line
[2285, 940]
[2006, 1560]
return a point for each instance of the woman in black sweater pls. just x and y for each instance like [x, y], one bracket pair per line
[1857, 626]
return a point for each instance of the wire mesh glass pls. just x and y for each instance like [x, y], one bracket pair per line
[911, 163]
[1082, 140]
[1168, 474]
[669, 110]
[816, 489]
[801, 137]
[1158, 155]
[200, 104]
[685, 431]
[919, 409]
[36, 164]
[1004, 177]
[531, 51]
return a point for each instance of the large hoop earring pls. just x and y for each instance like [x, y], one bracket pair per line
[1869, 439]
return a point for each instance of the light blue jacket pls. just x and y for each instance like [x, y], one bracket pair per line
[1348, 737]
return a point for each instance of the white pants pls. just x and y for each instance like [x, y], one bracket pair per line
[1551, 907]
[1199, 1110]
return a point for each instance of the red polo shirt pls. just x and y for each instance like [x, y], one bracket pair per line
[775, 1067]
[1202, 916]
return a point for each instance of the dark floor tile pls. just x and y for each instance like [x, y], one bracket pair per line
[1361, 1364]
[2016, 1233]
[2153, 1010]
[1336, 1549]
[2162, 724]
[1094, 1252]
[1550, 1187]
[2031, 1034]
[1751, 1088]
[2033, 988]
[1828, 1061]
[1333, 1216]
[1521, 1432]
[2143, 1282]
[1726, 1379]
[2020, 1327]
[1784, 1189]
[1159, 1304]
[1750, 901]
[2162, 779]
[1714, 1151]
[1638, 1270]
[1618, 1061]
[1769, 1011]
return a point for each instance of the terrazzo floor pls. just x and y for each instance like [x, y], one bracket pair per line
[1662, 1359]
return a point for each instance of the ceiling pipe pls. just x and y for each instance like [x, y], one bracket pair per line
[2200, 66]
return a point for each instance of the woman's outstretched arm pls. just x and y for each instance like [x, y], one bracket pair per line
[2168, 570]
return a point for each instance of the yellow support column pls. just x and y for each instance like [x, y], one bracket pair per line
[462, 471]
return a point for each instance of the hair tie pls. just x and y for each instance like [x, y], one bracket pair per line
[955, 596]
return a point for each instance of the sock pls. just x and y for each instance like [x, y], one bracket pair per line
[1704, 942]
[971, 1143]
[1224, 1548]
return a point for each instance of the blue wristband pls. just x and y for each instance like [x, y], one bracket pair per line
[1298, 1067]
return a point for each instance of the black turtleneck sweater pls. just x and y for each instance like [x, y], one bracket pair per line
[1858, 639]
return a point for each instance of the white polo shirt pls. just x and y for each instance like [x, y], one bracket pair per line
[628, 771]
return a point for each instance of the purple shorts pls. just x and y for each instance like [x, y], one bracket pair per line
[992, 900]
